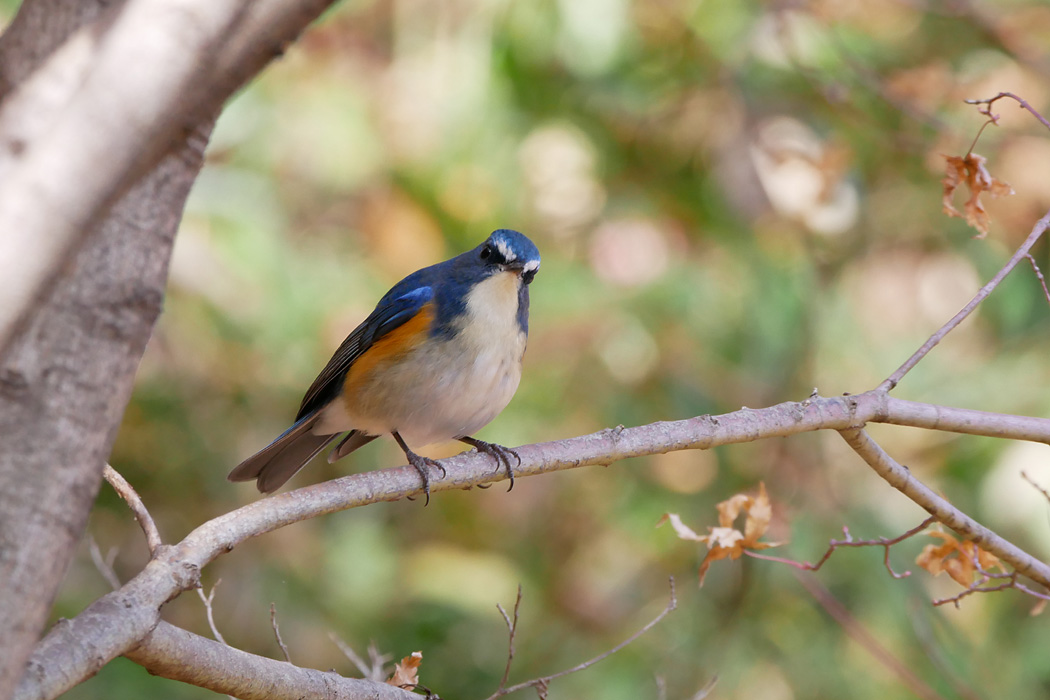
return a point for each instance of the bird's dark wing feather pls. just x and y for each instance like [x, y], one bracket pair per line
[393, 310]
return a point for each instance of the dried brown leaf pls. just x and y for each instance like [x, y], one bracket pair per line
[960, 560]
[406, 672]
[972, 171]
[759, 514]
[725, 541]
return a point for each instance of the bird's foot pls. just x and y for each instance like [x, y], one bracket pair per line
[499, 453]
[421, 463]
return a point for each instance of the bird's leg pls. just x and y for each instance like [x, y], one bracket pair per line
[420, 463]
[499, 453]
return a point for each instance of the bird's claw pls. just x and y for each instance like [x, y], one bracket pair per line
[499, 453]
[421, 463]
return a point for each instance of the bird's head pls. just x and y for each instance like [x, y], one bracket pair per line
[507, 250]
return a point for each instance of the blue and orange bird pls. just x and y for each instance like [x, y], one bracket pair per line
[438, 359]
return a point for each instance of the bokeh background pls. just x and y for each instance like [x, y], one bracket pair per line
[736, 202]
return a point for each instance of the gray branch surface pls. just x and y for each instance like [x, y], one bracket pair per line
[174, 653]
[115, 624]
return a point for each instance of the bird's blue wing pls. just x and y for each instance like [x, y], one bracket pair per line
[395, 309]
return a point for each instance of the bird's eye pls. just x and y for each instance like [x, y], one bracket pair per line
[486, 252]
[527, 277]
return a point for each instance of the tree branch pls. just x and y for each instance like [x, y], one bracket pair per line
[113, 624]
[77, 132]
[1020, 254]
[102, 137]
[541, 683]
[901, 478]
[66, 374]
[138, 508]
[172, 652]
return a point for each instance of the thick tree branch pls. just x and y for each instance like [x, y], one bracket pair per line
[100, 140]
[112, 625]
[66, 375]
[174, 653]
[77, 133]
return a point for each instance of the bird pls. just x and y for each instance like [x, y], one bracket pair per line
[437, 360]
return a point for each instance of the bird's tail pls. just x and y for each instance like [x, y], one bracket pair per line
[281, 459]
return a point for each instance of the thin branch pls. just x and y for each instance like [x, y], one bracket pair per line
[373, 671]
[1037, 231]
[540, 684]
[987, 109]
[1039, 276]
[992, 119]
[1040, 489]
[172, 652]
[277, 632]
[207, 600]
[104, 564]
[931, 646]
[903, 480]
[512, 629]
[833, 545]
[979, 584]
[138, 508]
[862, 636]
[706, 690]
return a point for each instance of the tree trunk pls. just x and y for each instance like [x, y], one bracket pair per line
[66, 377]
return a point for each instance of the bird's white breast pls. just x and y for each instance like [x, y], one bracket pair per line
[451, 386]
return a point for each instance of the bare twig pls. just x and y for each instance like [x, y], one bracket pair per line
[207, 600]
[706, 690]
[1039, 276]
[277, 632]
[850, 542]
[978, 585]
[372, 670]
[138, 508]
[987, 109]
[862, 636]
[924, 635]
[1040, 489]
[992, 119]
[512, 629]
[104, 564]
[541, 684]
[1037, 231]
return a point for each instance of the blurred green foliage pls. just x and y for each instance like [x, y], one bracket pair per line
[736, 202]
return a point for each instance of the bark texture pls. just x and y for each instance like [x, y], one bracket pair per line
[66, 377]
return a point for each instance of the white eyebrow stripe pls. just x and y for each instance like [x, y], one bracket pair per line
[505, 250]
[531, 265]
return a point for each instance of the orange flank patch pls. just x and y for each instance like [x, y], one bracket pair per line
[394, 344]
